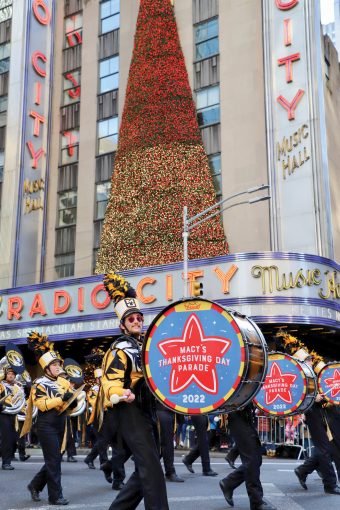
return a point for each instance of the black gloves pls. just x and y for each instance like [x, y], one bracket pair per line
[67, 395]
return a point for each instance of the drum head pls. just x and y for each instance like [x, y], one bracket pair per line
[194, 356]
[285, 386]
[329, 382]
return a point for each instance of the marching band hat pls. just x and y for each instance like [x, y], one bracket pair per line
[95, 360]
[43, 349]
[122, 294]
[73, 371]
[302, 355]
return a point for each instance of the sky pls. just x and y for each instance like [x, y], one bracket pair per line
[327, 11]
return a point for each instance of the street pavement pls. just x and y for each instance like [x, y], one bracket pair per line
[87, 489]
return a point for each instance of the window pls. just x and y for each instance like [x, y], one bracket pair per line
[69, 146]
[107, 135]
[3, 103]
[215, 168]
[5, 50]
[6, 10]
[109, 15]
[208, 106]
[102, 197]
[67, 208]
[108, 74]
[206, 39]
[64, 265]
[73, 30]
[71, 87]
[4, 65]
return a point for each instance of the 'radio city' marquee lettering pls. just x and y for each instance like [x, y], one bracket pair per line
[38, 61]
[272, 280]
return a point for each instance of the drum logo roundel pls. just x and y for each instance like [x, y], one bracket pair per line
[284, 387]
[194, 356]
[329, 382]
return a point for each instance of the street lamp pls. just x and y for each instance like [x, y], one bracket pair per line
[191, 223]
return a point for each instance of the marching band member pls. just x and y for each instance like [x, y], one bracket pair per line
[10, 393]
[201, 449]
[128, 410]
[51, 395]
[243, 430]
[12, 400]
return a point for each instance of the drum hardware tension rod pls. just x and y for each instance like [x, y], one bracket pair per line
[190, 223]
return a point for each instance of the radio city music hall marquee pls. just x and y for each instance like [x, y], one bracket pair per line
[305, 288]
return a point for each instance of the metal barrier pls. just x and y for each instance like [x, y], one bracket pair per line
[289, 431]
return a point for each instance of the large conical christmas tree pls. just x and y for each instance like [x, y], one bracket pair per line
[160, 164]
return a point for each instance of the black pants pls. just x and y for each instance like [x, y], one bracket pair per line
[70, 440]
[99, 447]
[8, 437]
[200, 423]
[166, 425]
[147, 480]
[233, 454]
[318, 432]
[313, 462]
[248, 444]
[50, 431]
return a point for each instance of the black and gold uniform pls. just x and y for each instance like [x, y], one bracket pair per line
[48, 395]
[134, 422]
[11, 395]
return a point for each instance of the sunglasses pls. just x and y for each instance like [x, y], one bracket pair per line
[132, 318]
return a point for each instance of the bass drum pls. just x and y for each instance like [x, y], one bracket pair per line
[289, 387]
[199, 358]
[329, 381]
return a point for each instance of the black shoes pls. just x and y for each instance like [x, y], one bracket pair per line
[117, 485]
[173, 478]
[334, 490]
[23, 458]
[302, 479]
[187, 465]
[60, 501]
[227, 493]
[34, 493]
[90, 464]
[209, 473]
[106, 467]
[230, 462]
[264, 506]
[7, 467]
[71, 459]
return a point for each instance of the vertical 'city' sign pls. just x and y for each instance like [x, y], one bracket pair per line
[292, 41]
[35, 138]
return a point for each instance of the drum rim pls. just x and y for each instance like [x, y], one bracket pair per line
[297, 408]
[222, 401]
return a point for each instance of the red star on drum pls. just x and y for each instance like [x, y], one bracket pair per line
[188, 353]
[334, 383]
[278, 385]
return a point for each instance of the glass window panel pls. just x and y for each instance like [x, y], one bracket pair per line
[201, 99]
[215, 164]
[105, 9]
[218, 184]
[3, 103]
[101, 208]
[73, 23]
[4, 65]
[102, 191]
[113, 125]
[109, 83]
[67, 199]
[207, 48]
[5, 50]
[210, 115]
[71, 139]
[104, 68]
[206, 30]
[67, 158]
[3, 119]
[107, 144]
[213, 95]
[109, 24]
[67, 217]
[103, 128]
[114, 65]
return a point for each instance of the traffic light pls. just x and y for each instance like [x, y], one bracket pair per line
[197, 289]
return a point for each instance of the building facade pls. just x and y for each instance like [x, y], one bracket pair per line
[268, 106]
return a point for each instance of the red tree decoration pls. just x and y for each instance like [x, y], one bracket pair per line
[160, 163]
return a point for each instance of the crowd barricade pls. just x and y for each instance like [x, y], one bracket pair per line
[284, 431]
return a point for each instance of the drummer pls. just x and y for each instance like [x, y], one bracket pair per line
[317, 425]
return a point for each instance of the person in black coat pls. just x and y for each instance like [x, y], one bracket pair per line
[243, 430]
[166, 419]
[200, 422]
